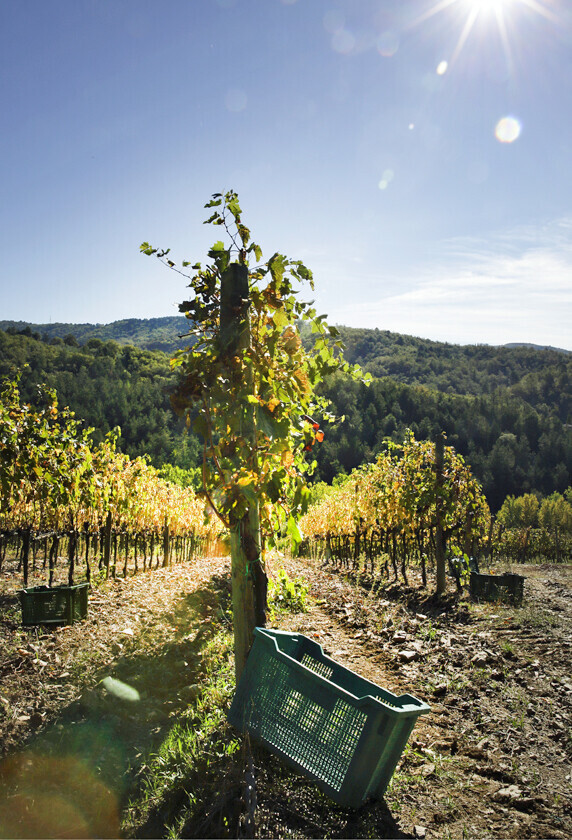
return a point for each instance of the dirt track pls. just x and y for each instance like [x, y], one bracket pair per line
[493, 759]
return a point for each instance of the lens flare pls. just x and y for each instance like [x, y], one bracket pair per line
[386, 179]
[44, 796]
[388, 44]
[121, 690]
[508, 129]
[343, 41]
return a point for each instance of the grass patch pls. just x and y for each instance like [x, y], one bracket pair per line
[191, 785]
[196, 783]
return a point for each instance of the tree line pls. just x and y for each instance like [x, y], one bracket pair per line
[512, 446]
[507, 411]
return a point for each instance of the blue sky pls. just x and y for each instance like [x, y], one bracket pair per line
[416, 154]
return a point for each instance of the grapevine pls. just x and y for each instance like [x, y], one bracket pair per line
[55, 482]
[389, 509]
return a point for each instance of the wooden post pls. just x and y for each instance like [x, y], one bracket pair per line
[26, 537]
[107, 544]
[247, 575]
[166, 552]
[72, 545]
[53, 557]
[439, 537]
[87, 541]
[126, 547]
[114, 566]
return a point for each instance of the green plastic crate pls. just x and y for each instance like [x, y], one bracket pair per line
[506, 588]
[339, 729]
[54, 605]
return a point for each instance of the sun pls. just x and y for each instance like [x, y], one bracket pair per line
[476, 7]
[498, 13]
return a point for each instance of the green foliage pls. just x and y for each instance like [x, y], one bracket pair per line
[287, 595]
[521, 512]
[46, 460]
[247, 384]
[108, 386]
[395, 499]
[162, 334]
[512, 447]
[185, 773]
[183, 478]
[537, 374]
[506, 410]
[53, 476]
[461, 569]
[319, 489]
[555, 514]
[535, 530]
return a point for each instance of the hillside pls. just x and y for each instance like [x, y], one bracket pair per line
[507, 410]
[149, 334]
[462, 369]
[106, 385]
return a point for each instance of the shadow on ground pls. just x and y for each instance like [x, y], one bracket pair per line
[72, 778]
[412, 598]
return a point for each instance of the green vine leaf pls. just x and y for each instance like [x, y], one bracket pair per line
[248, 379]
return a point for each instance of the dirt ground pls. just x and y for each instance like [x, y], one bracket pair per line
[492, 759]
[494, 756]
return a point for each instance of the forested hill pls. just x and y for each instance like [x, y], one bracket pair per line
[106, 385]
[461, 369]
[508, 411]
[148, 333]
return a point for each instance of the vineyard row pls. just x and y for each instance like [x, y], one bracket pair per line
[396, 511]
[105, 551]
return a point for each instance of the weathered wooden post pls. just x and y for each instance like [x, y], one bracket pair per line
[72, 546]
[247, 575]
[107, 544]
[439, 537]
[26, 538]
[166, 544]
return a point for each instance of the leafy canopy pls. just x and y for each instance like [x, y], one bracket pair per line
[253, 373]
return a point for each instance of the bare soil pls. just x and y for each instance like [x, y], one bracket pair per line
[493, 759]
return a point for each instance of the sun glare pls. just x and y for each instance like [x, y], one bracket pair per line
[488, 12]
[478, 6]
[488, 17]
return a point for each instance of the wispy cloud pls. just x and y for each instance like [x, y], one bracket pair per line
[516, 287]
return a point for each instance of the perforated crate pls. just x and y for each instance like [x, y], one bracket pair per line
[54, 605]
[507, 588]
[339, 729]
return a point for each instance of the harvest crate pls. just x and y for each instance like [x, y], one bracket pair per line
[339, 729]
[54, 605]
[507, 588]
